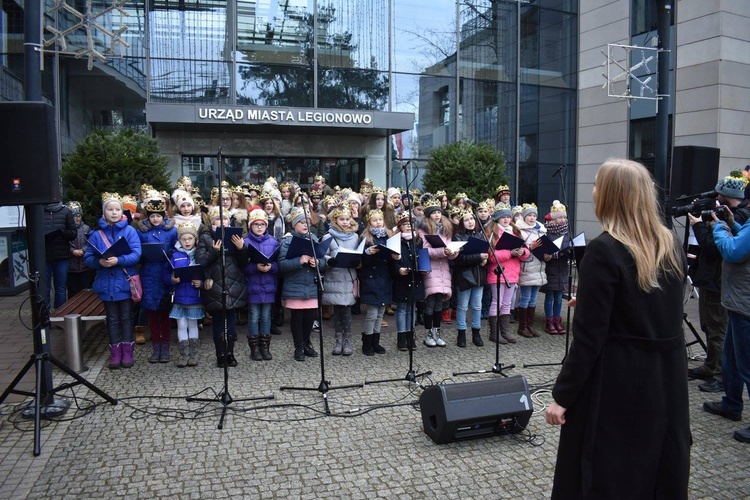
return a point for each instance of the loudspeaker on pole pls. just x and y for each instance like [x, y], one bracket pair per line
[695, 169]
[30, 173]
[455, 412]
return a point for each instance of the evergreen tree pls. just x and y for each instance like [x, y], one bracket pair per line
[111, 161]
[465, 167]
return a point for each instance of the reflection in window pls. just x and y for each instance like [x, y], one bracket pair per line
[345, 88]
[277, 32]
[353, 34]
[300, 170]
[274, 85]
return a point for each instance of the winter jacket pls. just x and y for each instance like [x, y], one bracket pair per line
[558, 267]
[707, 271]
[439, 279]
[402, 284]
[299, 280]
[111, 283]
[376, 283]
[77, 264]
[58, 216]
[261, 287]
[511, 265]
[276, 228]
[339, 281]
[154, 287]
[532, 270]
[734, 247]
[467, 269]
[184, 292]
[205, 255]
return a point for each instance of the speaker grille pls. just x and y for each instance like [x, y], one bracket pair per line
[484, 388]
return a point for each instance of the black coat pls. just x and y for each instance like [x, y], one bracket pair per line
[375, 288]
[624, 384]
[58, 216]
[707, 270]
[558, 267]
[209, 258]
[402, 284]
[467, 271]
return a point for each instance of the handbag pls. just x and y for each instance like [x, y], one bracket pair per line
[136, 289]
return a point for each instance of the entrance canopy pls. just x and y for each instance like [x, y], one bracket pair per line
[226, 118]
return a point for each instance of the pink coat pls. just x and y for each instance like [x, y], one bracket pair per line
[511, 266]
[439, 279]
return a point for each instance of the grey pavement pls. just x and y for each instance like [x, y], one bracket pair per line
[154, 444]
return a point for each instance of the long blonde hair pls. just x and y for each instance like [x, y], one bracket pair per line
[626, 205]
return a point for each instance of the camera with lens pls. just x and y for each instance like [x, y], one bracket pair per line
[706, 215]
[702, 207]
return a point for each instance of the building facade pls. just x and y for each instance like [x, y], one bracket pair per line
[293, 88]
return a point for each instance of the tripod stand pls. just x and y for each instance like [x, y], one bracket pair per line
[411, 375]
[40, 360]
[570, 275]
[224, 397]
[324, 386]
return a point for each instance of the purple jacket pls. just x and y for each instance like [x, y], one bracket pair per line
[184, 293]
[261, 287]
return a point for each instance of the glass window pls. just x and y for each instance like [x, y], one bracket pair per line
[300, 170]
[274, 85]
[347, 88]
[353, 34]
[488, 40]
[424, 37]
[489, 113]
[276, 32]
[548, 47]
[343, 172]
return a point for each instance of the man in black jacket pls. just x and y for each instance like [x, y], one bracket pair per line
[59, 230]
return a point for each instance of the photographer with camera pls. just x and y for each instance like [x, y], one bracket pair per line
[707, 278]
[732, 239]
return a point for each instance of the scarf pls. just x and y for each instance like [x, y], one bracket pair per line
[557, 229]
[340, 235]
[378, 232]
[406, 236]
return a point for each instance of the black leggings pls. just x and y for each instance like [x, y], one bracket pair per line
[301, 323]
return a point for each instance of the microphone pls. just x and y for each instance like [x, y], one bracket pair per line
[471, 202]
[405, 166]
[559, 169]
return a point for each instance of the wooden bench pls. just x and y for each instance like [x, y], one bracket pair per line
[82, 308]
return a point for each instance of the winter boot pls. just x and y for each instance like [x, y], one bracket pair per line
[115, 356]
[164, 355]
[299, 351]
[265, 347]
[530, 311]
[231, 360]
[367, 349]
[436, 335]
[254, 342]
[505, 329]
[550, 326]
[183, 350]
[127, 354]
[446, 318]
[401, 341]
[308, 348]
[429, 340]
[338, 346]
[140, 338]
[156, 354]
[193, 345]
[493, 329]
[476, 337]
[347, 348]
[522, 330]
[514, 315]
[461, 338]
[558, 324]
[376, 347]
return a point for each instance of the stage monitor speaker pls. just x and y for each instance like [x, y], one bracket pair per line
[695, 169]
[29, 174]
[454, 412]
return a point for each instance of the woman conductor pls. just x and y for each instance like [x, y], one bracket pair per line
[621, 395]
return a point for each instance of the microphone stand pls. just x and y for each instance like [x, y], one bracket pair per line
[224, 397]
[561, 170]
[411, 375]
[497, 367]
[324, 386]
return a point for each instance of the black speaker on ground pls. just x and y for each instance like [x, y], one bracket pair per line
[454, 412]
[29, 173]
[695, 169]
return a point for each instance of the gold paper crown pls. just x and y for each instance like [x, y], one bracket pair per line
[526, 206]
[254, 187]
[365, 189]
[337, 188]
[432, 202]
[454, 211]
[106, 196]
[285, 185]
[490, 203]
[440, 194]
[415, 192]
[367, 181]
[319, 178]
[180, 186]
[225, 184]
[187, 227]
[213, 213]
[184, 178]
[505, 206]
[515, 210]
[558, 207]
[271, 179]
[329, 199]
[464, 213]
[378, 190]
[146, 187]
[502, 189]
[238, 190]
[483, 205]
[460, 196]
[374, 212]
[258, 214]
[404, 217]
[155, 206]
[316, 192]
[340, 211]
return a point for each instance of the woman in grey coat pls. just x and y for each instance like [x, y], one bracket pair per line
[341, 278]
